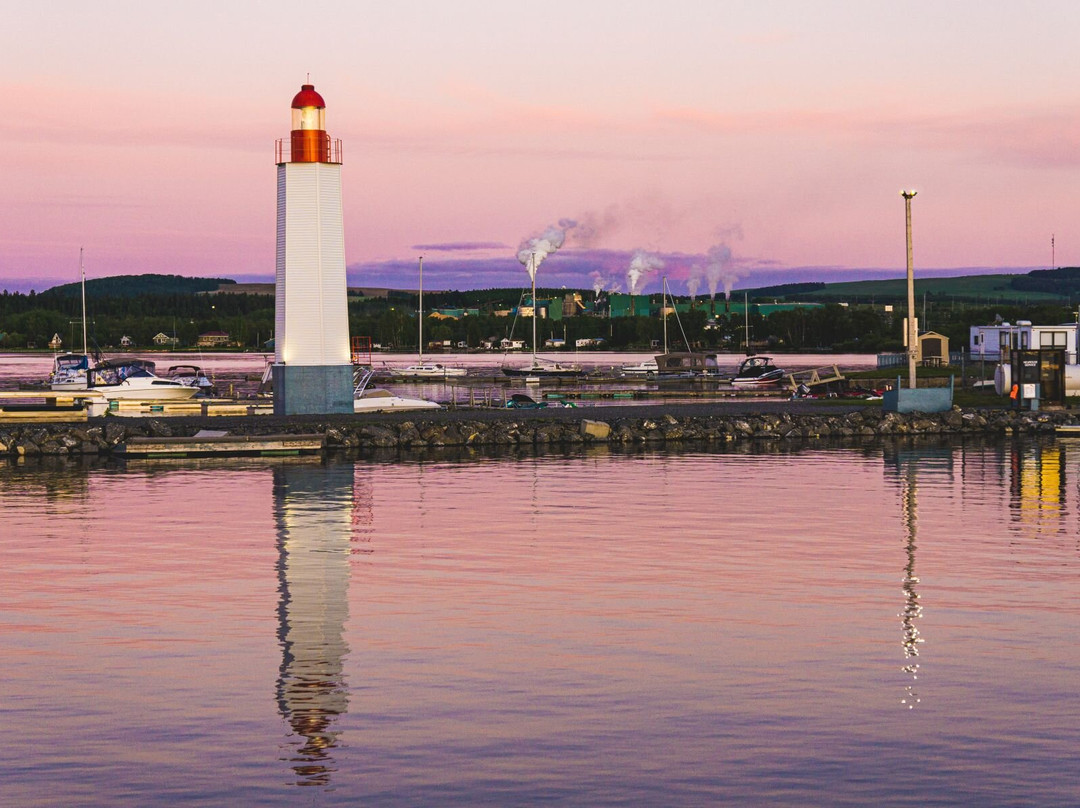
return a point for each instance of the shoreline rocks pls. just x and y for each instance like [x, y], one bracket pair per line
[509, 428]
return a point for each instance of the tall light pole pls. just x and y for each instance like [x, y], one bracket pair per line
[912, 331]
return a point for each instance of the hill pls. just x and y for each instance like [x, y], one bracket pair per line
[1039, 286]
[138, 285]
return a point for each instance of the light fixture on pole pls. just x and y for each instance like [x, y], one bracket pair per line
[912, 330]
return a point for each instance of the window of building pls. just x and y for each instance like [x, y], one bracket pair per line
[1052, 339]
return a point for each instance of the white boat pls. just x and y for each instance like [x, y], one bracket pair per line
[378, 399]
[114, 379]
[422, 369]
[69, 372]
[645, 368]
[135, 380]
[426, 370]
[540, 370]
[193, 376]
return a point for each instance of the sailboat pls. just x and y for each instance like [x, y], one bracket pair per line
[422, 369]
[682, 364]
[538, 369]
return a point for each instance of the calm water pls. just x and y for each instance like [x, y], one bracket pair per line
[848, 626]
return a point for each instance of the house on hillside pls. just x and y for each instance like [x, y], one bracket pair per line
[213, 339]
[162, 339]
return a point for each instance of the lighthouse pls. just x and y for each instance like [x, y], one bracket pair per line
[312, 371]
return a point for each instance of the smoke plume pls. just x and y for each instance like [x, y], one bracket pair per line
[693, 283]
[718, 270]
[641, 266]
[533, 251]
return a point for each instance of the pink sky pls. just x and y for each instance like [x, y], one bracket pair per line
[145, 133]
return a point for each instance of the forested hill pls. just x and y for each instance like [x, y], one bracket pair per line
[1064, 281]
[139, 285]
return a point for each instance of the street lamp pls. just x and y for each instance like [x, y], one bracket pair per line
[912, 331]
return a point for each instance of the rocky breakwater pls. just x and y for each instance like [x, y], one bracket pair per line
[509, 429]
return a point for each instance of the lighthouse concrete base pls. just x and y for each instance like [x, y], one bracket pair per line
[312, 389]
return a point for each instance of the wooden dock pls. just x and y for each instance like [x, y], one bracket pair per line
[31, 406]
[218, 445]
[197, 406]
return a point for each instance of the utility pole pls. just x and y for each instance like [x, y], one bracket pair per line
[912, 331]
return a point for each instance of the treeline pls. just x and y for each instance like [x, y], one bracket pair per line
[1064, 281]
[32, 319]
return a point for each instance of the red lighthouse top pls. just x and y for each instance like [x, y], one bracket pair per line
[307, 97]
[308, 142]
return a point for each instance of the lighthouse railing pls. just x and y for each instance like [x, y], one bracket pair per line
[283, 150]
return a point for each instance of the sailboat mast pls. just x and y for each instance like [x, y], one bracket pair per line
[532, 272]
[82, 273]
[663, 311]
[746, 320]
[420, 313]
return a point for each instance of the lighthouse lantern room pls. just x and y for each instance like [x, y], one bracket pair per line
[312, 370]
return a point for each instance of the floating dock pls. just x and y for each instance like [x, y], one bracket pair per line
[217, 445]
[28, 406]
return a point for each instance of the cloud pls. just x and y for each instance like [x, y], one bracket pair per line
[461, 246]
[1027, 136]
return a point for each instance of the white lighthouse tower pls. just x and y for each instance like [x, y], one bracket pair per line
[312, 370]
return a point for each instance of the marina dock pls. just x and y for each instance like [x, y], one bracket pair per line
[218, 444]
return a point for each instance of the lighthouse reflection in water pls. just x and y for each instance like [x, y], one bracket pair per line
[313, 511]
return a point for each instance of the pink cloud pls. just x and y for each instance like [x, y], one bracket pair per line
[1035, 137]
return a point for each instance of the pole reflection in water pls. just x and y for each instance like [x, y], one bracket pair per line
[907, 465]
[314, 516]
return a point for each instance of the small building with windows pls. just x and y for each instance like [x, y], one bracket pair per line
[161, 339]
[993, 342]
[213, 339]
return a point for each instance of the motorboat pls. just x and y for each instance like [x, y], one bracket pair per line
[69, 372]
[521, 401]
[378, 399]
[545, 370]
[427, 370]
[115, 379]
[646, 368]
[757, 371]
[193, 376]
